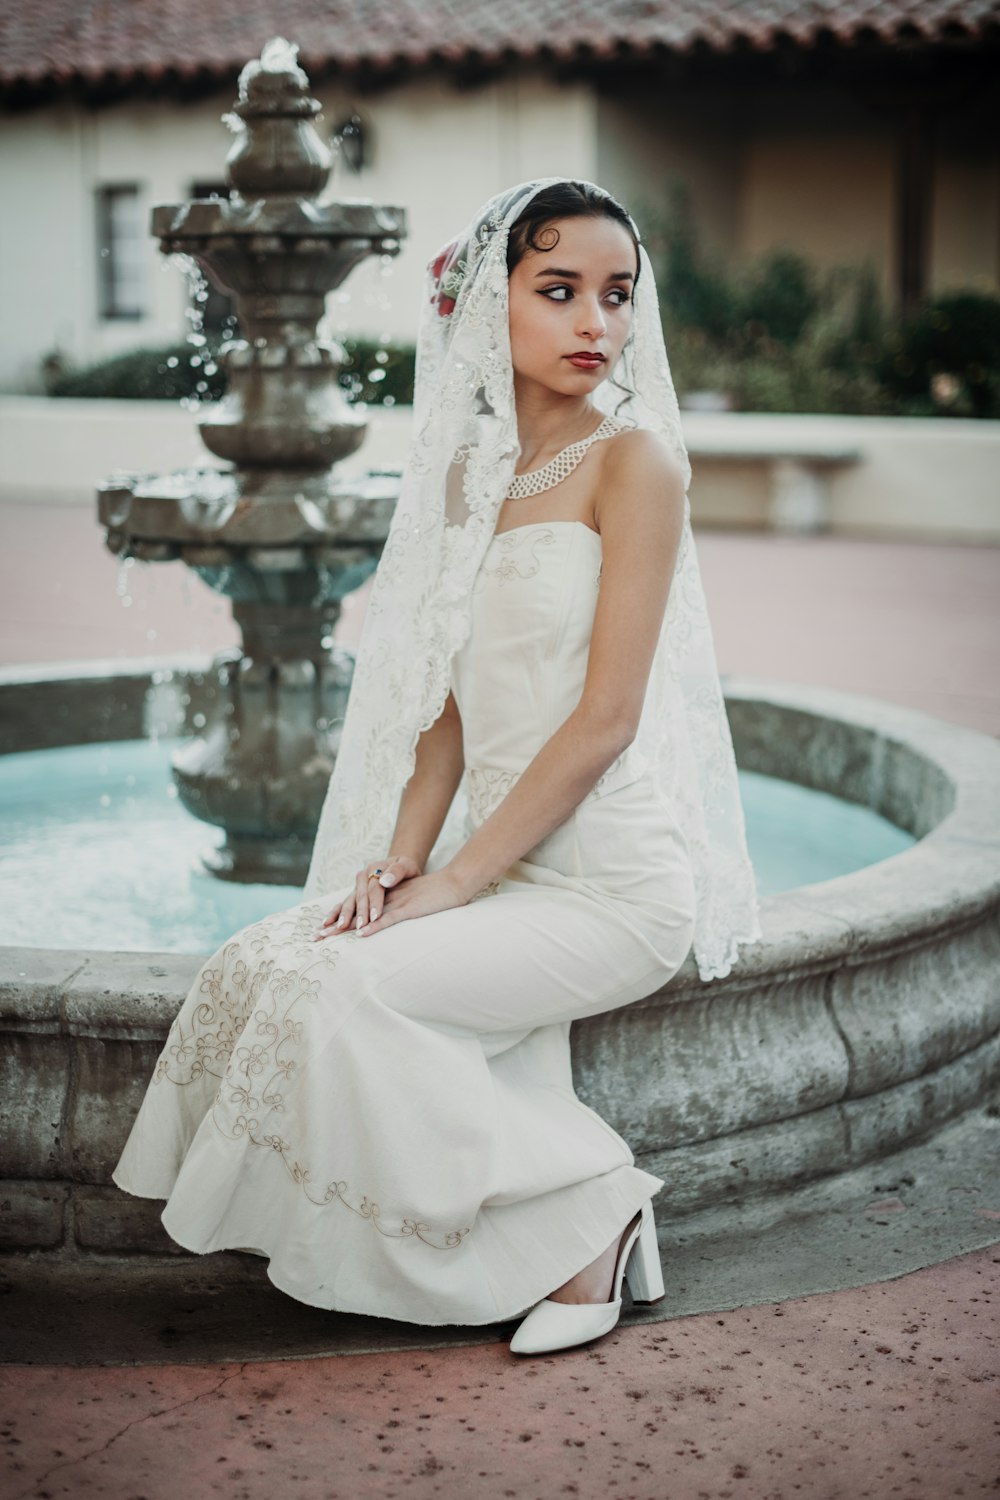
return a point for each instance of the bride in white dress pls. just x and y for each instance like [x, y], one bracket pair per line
[373, 1089]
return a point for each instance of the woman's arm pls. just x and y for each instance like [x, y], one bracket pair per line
[640, 520]
[428, 794]
[423, 808]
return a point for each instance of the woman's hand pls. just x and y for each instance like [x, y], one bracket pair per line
[417, 898]
[366, 902]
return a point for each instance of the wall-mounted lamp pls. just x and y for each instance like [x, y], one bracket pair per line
[352, 141]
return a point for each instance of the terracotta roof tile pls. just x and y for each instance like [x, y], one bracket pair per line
[57, 41]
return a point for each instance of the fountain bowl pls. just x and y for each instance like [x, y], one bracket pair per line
[866, 1019]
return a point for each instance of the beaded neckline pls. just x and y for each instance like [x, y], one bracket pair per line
[557, 469]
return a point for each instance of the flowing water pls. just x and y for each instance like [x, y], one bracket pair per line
[96, 852]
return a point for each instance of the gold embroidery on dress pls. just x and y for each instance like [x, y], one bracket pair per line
[518, 553]
[236, 1034]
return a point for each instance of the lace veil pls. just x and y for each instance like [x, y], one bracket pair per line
[463, 454]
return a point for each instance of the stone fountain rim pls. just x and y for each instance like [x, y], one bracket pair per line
[948, 879]
[181, 226]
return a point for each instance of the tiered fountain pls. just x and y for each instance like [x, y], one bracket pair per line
[278, 533]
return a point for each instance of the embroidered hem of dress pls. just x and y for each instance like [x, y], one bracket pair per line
[589, 1214]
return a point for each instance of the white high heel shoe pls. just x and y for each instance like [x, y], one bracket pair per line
[561, 1325]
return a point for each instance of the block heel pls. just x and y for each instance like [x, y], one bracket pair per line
[642, 1269]
[562, 1325]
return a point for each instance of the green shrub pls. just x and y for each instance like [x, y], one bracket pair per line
[947, 355]
[373, 373]
[779, 334]
[379, 374]
[778, 297]
[169, 374]
[693, 285]
[773, 334]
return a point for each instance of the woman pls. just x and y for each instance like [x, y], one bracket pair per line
[536, 780]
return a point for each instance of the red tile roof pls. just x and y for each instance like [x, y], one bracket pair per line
[57, 42]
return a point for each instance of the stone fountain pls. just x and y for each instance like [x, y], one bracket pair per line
[278, 533]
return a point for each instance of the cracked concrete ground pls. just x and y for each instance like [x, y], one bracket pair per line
[885, 1390]
[889, 1390]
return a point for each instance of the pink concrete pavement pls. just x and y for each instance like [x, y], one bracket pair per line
[886, 1390]
[857, 1395]
[915, 623]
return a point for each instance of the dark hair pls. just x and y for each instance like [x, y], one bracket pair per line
[564, 200]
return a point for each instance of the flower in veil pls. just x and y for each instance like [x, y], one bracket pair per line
[447, 273]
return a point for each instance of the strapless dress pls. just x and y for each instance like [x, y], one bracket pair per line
[391, 1120]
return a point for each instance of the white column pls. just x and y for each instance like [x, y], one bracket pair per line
[800, 496]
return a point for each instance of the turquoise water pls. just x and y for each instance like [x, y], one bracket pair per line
[97, 852]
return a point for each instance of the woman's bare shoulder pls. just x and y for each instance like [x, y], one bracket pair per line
[638, 449]
[639, 471]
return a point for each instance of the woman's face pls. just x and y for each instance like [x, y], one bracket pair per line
[572, 298]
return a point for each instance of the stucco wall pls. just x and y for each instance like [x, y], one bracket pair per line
[965, 221]
[914, 477]
[648, 136]
[809, 167]
[437, 151]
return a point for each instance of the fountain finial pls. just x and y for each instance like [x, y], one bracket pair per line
[278, 152]
[276, 56]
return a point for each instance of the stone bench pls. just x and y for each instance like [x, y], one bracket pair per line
[798, 477]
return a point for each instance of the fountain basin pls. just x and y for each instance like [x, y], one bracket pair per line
[114, 809]
[867, 1018]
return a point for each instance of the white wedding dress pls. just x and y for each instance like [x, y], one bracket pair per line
[391, 1119]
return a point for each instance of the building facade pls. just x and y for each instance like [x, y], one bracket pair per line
[850, 145]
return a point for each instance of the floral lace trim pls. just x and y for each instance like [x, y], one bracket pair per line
[487, 786]
[246, 1031]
